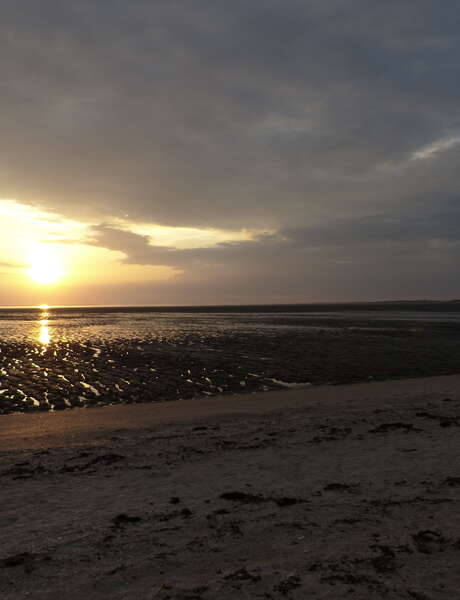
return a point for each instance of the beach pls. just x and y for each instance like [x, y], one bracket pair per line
[346, 491]
[229, 300]
[58, 358]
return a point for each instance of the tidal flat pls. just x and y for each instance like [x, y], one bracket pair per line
[56, 361]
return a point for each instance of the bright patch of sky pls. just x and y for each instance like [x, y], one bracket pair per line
[28, 232]
[441, 145]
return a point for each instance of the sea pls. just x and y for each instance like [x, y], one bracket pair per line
[58, 358]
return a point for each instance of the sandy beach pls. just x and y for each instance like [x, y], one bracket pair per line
[329, 492]
[229, 300]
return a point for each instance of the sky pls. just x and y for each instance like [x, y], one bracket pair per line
[216, 152]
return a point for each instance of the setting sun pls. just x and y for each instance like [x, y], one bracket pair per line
[45, 268]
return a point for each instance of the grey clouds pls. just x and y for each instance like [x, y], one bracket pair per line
[333, 124]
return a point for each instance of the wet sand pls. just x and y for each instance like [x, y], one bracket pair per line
[330, 492]
[76, 363]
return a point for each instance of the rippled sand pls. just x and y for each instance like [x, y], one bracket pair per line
[58, 362]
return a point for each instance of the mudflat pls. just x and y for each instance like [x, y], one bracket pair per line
[97, 359]
[346, 491]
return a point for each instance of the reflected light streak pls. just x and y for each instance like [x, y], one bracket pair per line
[44, 336]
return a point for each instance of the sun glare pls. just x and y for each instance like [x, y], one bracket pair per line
[45, 268]
[44, 332]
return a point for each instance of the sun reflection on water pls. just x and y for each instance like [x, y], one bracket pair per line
[44, 336]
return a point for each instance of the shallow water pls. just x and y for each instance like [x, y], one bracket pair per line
[44, 326]
[58, 358]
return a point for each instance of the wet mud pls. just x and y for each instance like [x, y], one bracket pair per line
[57, 371]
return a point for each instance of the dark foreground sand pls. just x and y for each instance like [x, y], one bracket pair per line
[339, 492]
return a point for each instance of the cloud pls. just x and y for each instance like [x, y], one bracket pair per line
[397, 257]
[10, 265]
[338, 234]
[139, 249]
[317, 120]
[211, 114]
[436, 147]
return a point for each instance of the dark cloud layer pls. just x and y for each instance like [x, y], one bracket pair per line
[370, 258]
[334, 123]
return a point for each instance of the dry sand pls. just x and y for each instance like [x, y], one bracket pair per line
[334, 492]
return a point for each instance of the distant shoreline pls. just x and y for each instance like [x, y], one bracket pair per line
[384, 305]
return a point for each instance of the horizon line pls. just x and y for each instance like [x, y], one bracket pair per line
[228, 305]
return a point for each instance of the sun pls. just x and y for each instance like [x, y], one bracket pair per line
[45, 268]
